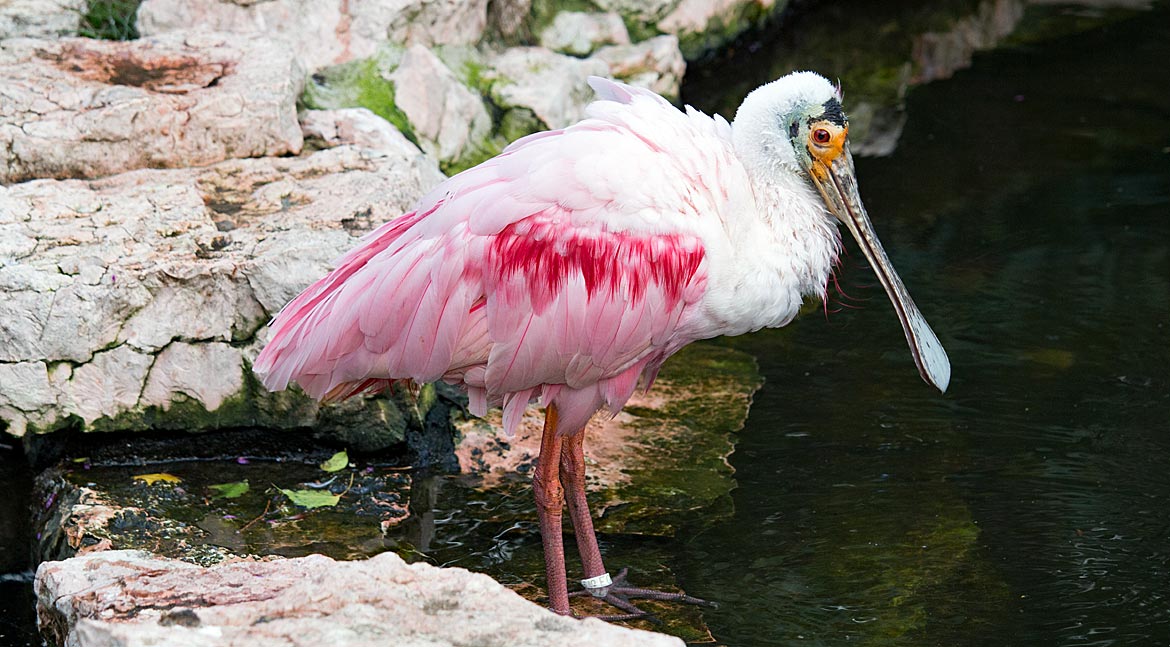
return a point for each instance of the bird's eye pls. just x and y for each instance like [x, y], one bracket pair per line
[821, 136]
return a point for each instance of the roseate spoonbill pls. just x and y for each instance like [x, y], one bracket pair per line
[570, 266]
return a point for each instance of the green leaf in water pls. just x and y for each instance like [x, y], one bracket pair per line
[160, 477]
[337, 462]
[311, 498]
[229, 490]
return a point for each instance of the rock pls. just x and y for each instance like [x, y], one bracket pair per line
[326, 32]
[700, 25]
[142, 298]
[419, 94]
[85, 108]
[704, 25]
[128, 598]
[659, 464]
[579, 34]
[643, 11]
[552, 86]
[40, 18]
[507, 17]
[357, 127]
[449, 120]
[656, 63]
[96, 505]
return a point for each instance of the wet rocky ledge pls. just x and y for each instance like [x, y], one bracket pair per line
[207, 522]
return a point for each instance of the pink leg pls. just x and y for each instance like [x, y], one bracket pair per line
[573, 482]
[550, 499]
[619, 593]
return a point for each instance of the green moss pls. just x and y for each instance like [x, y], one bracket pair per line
[518, 122]
[721, 30]
[110, 20]
[543, 13]
[900, 568]
[484, 150]
[681, 475]
[359, 84]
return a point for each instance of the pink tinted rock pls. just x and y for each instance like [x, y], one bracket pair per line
[131, 599]
[80, 108]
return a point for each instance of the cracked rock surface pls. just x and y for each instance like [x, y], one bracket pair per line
[135, 301]
[326, 32]
[39, 18]
[128, 598]
[80, 108]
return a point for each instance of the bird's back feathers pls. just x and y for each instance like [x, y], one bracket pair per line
[563, 269]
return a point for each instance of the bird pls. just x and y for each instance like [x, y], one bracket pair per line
[565, 270]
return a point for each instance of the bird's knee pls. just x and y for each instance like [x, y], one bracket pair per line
[549, 496]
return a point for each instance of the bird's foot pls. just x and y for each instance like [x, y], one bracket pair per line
[619, 594]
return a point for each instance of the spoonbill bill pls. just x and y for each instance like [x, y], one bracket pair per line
[568, 268]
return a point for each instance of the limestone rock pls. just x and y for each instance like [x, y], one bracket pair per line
[358, 127]
[326, 32]
[703, 25]
[656, 63]
[123, 296]
[700, 25]
[579, 34]
[553, 86]
[40, 18]
[506, 17]
[128, 599]
[643, 11]
[449, 120]
[84, 108]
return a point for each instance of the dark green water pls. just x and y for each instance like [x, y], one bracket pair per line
[1028, 209]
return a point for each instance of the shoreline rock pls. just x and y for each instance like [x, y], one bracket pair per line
[80, 108]
[129, 598]
[138, 300]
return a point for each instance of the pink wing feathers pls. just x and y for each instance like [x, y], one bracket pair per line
[558, 270]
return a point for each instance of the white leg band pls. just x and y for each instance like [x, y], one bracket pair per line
[600, 582]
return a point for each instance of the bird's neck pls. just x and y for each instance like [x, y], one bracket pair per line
[804, 236]
[782, 247]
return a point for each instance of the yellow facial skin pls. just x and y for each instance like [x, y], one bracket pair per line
[826, 142]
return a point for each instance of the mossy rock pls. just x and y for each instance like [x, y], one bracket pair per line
[360, 84]
[678, 473]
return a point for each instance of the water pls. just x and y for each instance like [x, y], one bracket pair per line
[17, 615]
[1027, 206]
[1028, 209]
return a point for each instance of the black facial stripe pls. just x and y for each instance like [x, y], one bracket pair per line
[833, 113]
[793, 130]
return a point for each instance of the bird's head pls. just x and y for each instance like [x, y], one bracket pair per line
[796, 125]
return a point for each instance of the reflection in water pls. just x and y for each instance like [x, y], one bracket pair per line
[1028, 208]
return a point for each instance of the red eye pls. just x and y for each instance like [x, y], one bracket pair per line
[821, 136]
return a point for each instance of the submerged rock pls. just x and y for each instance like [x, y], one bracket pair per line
[129, 598]
[659, 464]
[79, 108]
